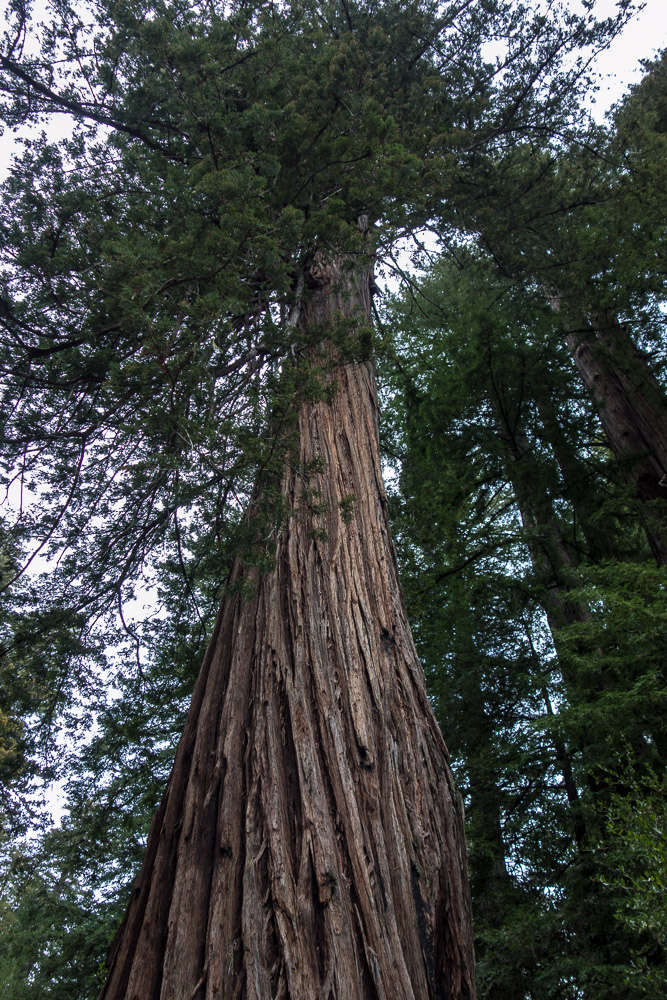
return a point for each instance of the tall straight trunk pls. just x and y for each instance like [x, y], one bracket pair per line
[491, 881]
[633, 411]
[554, 568]
[599, 533]
[310, 841]
[550, 556]
[476, 736]
[493, 889]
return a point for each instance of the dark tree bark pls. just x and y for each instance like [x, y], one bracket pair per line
[490, 879]
[310, 841]
[600, 535]
[550, 556]
[555, 571]
[633, 412]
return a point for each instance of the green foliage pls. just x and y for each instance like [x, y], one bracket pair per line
[540, 620]
[634, 868]
[154, 264]
[53, 934]
[346, 507]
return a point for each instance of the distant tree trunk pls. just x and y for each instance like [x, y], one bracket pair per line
[553, 565]
[633, 412]
[600, 534]
[490, 879]
[310, 841]
[555, 571]
[476, 737]
[493, 889]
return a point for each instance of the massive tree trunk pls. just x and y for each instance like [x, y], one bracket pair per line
[633, 412]
[310, 842]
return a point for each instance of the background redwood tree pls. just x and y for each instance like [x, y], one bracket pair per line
[516, 517]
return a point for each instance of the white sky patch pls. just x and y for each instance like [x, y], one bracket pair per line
[620, 64]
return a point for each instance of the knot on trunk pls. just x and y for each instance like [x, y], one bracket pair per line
[322, 271]
[327, 888]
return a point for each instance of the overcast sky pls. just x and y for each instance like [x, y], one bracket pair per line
[642, 39]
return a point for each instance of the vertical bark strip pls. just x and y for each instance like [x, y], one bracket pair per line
[310, 842]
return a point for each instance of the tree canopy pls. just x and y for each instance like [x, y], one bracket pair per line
[151, 366]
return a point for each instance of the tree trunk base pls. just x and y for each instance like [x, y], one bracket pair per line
[310, 842]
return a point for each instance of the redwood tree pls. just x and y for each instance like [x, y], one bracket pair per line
[632, 408]
[597, 269]
[186, 311]
[310, 842]
[541, 690]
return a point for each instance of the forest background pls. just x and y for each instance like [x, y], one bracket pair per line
[525, 430]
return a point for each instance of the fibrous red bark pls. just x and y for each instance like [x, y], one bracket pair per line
[310, 842]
